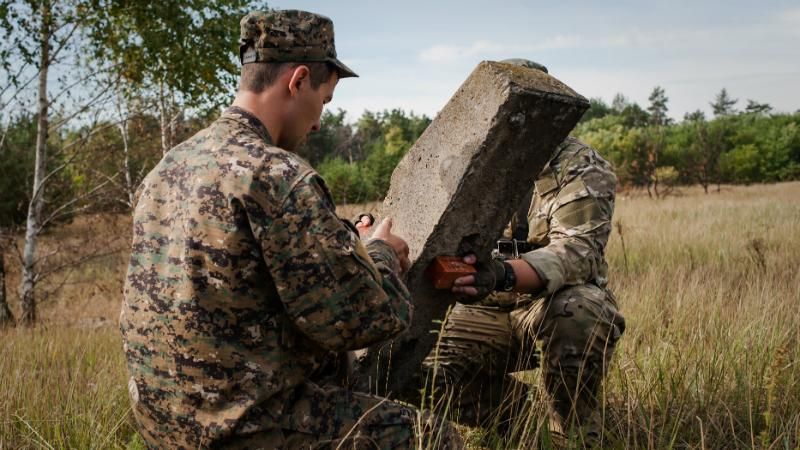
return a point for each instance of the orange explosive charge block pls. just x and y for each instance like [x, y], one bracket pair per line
[444, 270]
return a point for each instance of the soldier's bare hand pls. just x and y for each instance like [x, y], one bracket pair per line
[466, 285]
[480, 284]
[364, 224]
[384, 232]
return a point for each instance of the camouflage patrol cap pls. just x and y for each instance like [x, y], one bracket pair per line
[289, 36]
[525, 63]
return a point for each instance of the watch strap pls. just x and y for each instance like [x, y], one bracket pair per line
[510, 279]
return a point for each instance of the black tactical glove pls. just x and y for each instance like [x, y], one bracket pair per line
[490, 277]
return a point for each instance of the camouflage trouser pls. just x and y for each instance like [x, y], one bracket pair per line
[320, 417]
[577, 327]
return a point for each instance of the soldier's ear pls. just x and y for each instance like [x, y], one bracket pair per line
[300, 75]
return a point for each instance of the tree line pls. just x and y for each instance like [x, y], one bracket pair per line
[649, 149]
[652, 151]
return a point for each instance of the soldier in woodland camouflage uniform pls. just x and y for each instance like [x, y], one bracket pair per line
[568, 308]
[244, 288]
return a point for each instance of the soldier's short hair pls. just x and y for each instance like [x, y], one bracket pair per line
[257, 77]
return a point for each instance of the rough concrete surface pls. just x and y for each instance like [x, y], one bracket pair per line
[457, 187]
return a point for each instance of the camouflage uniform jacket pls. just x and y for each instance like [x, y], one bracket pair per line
[243, 284]
[569, 220]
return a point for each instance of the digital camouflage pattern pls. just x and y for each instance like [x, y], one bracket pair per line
[243, 290]
[574, 318]
[289, 36]
[335, 418]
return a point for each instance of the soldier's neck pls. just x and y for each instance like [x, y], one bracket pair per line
[264, 107]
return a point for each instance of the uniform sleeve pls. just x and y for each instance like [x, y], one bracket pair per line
[579, 228]
[338, 292]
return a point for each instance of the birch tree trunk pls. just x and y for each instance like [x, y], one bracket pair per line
[124, 115]
[175, 116]
[164, 117]
[126, 162]
[27, 288]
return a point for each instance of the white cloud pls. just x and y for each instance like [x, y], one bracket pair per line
[560, 41]
[790, 19]
[791, 16]
[450, 53]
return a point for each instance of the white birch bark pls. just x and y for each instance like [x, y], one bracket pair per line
[32, 228]
[163, 116]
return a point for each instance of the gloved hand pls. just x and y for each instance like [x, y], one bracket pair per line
[490, 276]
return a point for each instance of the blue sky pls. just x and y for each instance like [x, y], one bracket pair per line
[414, 54]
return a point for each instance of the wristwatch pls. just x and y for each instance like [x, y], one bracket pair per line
[510, 278]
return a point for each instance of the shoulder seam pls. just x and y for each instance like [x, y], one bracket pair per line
[302, 176]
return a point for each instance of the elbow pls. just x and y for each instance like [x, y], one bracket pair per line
[356, 333]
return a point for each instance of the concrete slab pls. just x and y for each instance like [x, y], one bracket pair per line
[457, 187]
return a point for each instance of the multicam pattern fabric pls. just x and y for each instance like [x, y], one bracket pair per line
[288, 36]
[243, 290]
[577, 329]
[575, 319]
[570, 218]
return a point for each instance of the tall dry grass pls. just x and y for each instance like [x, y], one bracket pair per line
[64, 388]
[709, 285]
[711, 295]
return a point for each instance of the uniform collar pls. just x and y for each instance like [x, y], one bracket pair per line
[548, 179]
[240, 115]
[557, 153]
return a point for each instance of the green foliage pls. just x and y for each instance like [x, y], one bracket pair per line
[742, 164]
[346, 181]
[185, 46]
[753, 107]
[17, 158]
[764, 149]
[723, 104]
[634, 116]
[16, 169]
[100, 158]
[358, 165]
[332, 134]
[780, 149]
[658, 106]
[647, 148]
[597, 108]
[381, 162]
[667, 175]
[694, 116]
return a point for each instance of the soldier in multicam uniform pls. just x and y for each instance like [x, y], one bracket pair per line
[244, 288]
[561, 300]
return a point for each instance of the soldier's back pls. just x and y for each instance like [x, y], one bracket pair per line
[206, 341]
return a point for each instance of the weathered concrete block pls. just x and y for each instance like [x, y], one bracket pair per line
[458, 186]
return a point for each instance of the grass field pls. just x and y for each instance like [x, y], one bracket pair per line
[709, 285]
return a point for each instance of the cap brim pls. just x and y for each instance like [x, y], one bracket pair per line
[344, 71]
